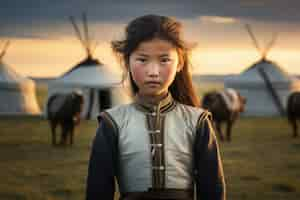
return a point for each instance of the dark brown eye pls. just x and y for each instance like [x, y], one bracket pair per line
[165, 60]
[142, 60]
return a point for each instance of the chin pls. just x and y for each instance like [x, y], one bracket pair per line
[151, 93]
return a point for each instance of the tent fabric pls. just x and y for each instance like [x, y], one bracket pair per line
[251, 76]
[252, 85]
[9, 76]
[92, 78]
[89, 62]
[91, 74]
[17, 93]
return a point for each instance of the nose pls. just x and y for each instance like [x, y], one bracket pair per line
[153, 70]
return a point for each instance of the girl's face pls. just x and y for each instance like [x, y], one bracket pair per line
[153, 66]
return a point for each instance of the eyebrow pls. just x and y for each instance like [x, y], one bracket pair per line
[141, 54]
[145, 55]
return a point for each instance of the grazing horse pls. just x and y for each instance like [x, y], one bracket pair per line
[225, 106]
[293, 110]
[64, 110]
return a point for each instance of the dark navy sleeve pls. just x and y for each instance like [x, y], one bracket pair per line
[101, 170]
[209, 174]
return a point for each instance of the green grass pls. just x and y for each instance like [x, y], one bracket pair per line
[262, 161]
[33, 169]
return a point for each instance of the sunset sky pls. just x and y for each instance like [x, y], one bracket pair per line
[44, 44]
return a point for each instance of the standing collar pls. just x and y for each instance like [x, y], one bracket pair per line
[165, 105]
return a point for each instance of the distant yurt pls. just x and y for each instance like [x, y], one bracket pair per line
[99, 84]
[265, 85]
[17, 93]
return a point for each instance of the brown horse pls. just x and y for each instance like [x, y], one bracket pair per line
[225, 106]
[64, 110]
[293, 111]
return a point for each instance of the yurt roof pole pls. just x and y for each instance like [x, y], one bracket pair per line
[3, 51]
[270, 45]
[83, 36]
[77, 31]
[261, 71]
[272, 91]
[265, 50]
[252, 36]
[86, 35]
[90, 43]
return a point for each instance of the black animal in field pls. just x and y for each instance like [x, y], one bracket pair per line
[293, 111]
[64, 109]
[225, 106]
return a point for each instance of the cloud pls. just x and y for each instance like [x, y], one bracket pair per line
[44, 18]
[257, 3]
[219, 19]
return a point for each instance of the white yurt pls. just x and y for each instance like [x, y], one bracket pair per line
[100, 87]
[17, 93]
[265, 84]
[99, 84]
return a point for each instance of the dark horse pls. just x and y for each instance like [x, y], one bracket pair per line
[225, 106]
[293, 110]
[64, 110]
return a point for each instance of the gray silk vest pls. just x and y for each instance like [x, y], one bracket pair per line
[135, 163]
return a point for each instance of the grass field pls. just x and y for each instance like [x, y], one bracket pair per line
[262, 161]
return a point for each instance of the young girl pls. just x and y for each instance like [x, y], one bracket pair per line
[161, 146]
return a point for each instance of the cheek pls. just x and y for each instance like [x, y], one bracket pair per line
[137, 73]
[169, 73]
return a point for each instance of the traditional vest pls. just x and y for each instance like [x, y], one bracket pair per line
[155, 145]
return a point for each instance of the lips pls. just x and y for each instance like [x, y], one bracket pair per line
[152, 84]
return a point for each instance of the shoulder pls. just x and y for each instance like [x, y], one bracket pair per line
[108, 121]
[191, 111]
[193, 115]
[116, 114]
[115, 111]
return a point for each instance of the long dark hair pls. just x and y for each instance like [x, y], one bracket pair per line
[149, 27]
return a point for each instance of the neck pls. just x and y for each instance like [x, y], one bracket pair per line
[162, 103]
[152, 99]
